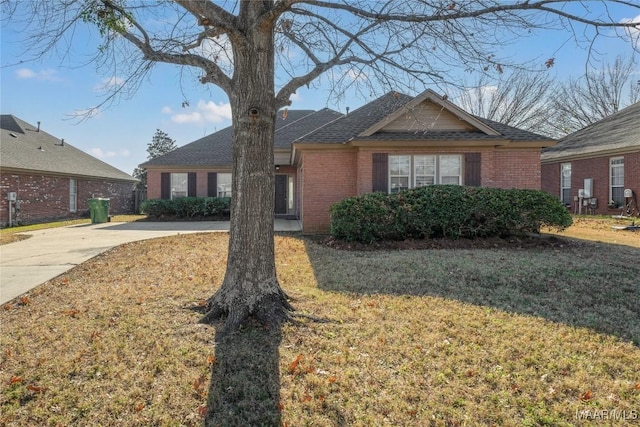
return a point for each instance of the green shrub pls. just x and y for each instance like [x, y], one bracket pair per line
[450, 211]
[187, 207]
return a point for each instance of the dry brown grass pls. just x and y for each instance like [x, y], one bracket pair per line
[433, 337]
[599, 229]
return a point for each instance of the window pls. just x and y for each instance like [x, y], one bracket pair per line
[424, 170]
[290, 200]
[565, 183]
[450, 170]
[224, 185]
[73, 195]
[419, 170]
[616, 166]
[399, 169]
[179, 185]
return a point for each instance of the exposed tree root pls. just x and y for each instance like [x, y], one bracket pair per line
[270, 307]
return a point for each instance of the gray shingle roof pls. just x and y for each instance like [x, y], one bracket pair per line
[215, 149]
[620, 130]
[350, 126]
[23, 147]
[354, 123]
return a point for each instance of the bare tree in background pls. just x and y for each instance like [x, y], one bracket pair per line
[598, 94]
[260, 52]
[518, 98]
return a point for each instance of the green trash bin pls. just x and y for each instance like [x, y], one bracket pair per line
[99, 210]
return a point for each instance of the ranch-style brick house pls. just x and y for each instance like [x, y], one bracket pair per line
[589, 170]
[392, 143]
[49, 179]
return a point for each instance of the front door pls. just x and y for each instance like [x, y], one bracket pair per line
[281, 195]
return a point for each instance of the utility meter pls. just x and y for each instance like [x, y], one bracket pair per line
[628, 192]
[12, 196]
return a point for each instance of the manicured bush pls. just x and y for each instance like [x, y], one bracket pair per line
[450, 211]
[187, 207]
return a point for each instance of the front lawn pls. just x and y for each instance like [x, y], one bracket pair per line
[510, 336]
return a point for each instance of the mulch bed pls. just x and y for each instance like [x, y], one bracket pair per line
[513, 242]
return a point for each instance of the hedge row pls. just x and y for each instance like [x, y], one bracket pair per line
[450, 211]
[187, 207]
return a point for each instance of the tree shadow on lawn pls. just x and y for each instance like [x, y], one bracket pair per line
[577, 283]
[245, 378]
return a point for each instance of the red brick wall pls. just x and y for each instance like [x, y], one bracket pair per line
[550, 179]
[516, 169]
[365, 172]
[598, 169]
[45, 198]
[329, 176]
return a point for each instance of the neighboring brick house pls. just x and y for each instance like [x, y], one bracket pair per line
[394, 142]
[51, 179]
[602, 160]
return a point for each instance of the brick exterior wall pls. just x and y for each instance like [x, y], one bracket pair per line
[515, 169]
[154, 190]
[330, 176]
[44, 198]
[596, 168]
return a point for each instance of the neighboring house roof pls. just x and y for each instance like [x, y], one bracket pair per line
[215, 149]
[618, 132]
[26, 148]
[368, 122]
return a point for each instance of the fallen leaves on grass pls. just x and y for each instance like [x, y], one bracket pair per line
[587, 395]
[294, 365]
[384, 363]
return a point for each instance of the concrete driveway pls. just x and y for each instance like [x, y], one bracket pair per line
[50, 252]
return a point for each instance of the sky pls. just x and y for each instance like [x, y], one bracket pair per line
[54, 89]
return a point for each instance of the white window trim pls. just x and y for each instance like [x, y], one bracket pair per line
[412, 170]
[390, 176]
[73, 195]
[172, 187]
[562, 186]
[224, 192]
[611, 168]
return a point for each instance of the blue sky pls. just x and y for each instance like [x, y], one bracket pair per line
[53, 89]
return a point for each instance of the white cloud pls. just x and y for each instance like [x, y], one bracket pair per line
[295, 97]
[109, 83]
[204, 112]
[166, 110]
[102, 154]
[193, 117]
[42, 75]
[632, 33]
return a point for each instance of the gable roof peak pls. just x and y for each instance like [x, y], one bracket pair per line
[431, 96]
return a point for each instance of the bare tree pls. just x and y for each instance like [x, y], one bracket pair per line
[518, 98]
[599, 93]
[238, 46]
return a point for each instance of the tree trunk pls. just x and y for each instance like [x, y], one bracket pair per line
[250, 286]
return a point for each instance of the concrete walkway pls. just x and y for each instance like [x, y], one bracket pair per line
[50, 252]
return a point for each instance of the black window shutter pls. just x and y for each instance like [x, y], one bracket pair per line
[212, 184]
[472, 169]
[165, 185]
[191, 184]
[380, 172]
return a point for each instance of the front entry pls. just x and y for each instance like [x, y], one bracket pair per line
[281, 195]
